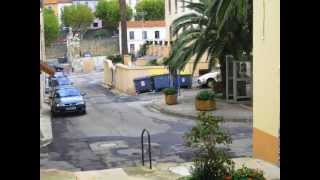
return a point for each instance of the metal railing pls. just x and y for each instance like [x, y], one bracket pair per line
[142, 147]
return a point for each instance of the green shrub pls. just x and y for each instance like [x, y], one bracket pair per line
[210, 162]
[169, 91]
[116, 58]
[205, 95]
[244, 173]
[152, 63]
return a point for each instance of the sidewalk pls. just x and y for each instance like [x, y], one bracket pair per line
[186, 108]
[45, 125]
[160, 171]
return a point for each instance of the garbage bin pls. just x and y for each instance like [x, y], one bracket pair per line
[185, 81]
[160, 82]
[143, 84]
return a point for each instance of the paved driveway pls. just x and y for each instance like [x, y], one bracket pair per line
[108, 135]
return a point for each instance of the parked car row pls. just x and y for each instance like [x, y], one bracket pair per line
[64, 96]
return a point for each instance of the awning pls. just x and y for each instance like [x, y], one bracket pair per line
[47, 69]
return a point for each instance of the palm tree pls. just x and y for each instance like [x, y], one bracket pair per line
[216, 27]
[124, 45]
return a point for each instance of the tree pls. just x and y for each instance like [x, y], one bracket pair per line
[109, 12]
[78, 17]
[218, 27]
[154, 9]
[51, 26]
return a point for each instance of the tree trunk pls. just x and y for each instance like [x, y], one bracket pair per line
[124, 46]
[222, 60]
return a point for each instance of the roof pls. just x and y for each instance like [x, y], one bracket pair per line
[84, 0]
[156, 23]
[64, 1]
[45, 2]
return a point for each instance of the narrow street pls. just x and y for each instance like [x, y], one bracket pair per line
[108, 136]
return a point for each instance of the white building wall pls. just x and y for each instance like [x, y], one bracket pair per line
[176, 11]
[139, 41]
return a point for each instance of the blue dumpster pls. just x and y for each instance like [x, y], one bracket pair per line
[185, 81]
[160, 82]
[143, 84]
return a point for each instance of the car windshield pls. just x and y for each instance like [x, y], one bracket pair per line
[69, 92]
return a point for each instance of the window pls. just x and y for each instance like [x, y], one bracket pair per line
[169, 3]
[132, 48]
[49, 7]
[131, 35]
[144, 35]
[176, 6]
[157, 34]
[95, 24]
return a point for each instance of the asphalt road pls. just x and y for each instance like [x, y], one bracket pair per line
[108, 136]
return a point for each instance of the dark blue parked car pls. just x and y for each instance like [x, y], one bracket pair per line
[68, 100]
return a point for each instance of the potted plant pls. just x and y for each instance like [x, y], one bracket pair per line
[247, 173]
[170, 96]
[205, 101]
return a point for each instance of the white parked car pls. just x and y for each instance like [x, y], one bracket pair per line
[209, 79]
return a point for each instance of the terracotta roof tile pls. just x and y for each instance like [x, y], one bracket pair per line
[45, 2]
[64, 1]
[154, 23]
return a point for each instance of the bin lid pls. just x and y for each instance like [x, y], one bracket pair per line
[160, 75]
[142, 78]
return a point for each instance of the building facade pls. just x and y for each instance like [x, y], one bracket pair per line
[92, 4]
[266, 78]
[138, 32]
[173, 10]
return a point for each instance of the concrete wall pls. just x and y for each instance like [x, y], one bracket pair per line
[121, 76]
[108, 72]
[88, 64]
[158, 50]
[124, 76]
[266, 79]
[100, 47]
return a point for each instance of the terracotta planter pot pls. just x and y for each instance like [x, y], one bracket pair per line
[171, 99]
[227, 178]
[205, 105]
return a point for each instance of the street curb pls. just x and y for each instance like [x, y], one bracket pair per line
[193, 117]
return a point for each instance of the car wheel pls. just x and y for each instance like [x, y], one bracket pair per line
[210, 83]
[53, 114]
[83, 112]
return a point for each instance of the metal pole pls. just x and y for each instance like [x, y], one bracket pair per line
[142, 148]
